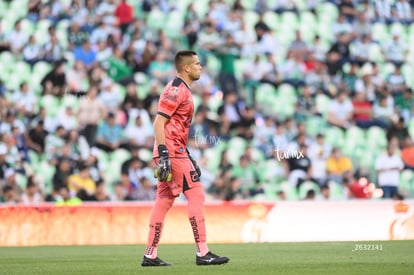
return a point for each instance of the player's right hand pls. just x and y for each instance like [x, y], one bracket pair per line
[163, 171]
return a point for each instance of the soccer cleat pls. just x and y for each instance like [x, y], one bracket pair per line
[211, 259]
[153, 262]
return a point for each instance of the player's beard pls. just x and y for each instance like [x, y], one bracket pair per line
[195, 77]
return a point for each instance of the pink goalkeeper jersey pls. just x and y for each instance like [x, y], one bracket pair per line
[176, 104]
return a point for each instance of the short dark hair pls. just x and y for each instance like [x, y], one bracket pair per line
[180, 55]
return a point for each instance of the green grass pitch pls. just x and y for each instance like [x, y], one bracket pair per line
[396, 257]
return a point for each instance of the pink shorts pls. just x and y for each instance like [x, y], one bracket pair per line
[184, 177]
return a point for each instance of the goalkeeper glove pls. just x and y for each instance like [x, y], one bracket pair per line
[196, 167]
[163, 171]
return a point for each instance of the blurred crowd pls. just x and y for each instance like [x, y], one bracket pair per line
[283, 81]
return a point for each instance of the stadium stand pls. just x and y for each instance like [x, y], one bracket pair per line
[297, 80]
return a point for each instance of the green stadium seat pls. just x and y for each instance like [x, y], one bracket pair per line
[3, 9]
[314, 125]
[322, 104]
[42, 68]
[354, 144]
[336, 191]
[7, 61]
[156, 19]
[44, 173]
[120, 156]
[406, 184]
[236, 147]
[272, 20]
[306, 186]
[376, 138]
[411, 128]
[213, 155]
[380, 32]
[375, 54]
[214, 102]
[51, 103]
[201, 7]
[174, 24]
[287, 93]
[335, 136]
[250, 19]
[27, 26]
[290, 191]
[21, 180]
[145, 154]
[44, 24]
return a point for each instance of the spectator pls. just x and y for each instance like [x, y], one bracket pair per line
[11, 181]
[396, 82]
[341, 26]
[310, 195]
[58, 195]
[263, 136]
[32, 195]
[17, 38]
[4, 166]
[362, 25]
[12, 121]
[67, 118]
[37, 138]
[125, 15]
[358, 188]
[77, 35]
[361, 49]
[407, 153]
[293, 70]
[100, 192]
[405, 104]
[110, 135]
[63, 171]
[162, 68]
[139, 135]
[25, 100]
[248, 176]
[338, 166]
[366, 84]
[363, 113]
[54, 82]
[54, 143]
[319, 153]
[81, 183]
[108, 95]
[86, 54]
[89, 115]
[306, 105]
[298, 166]
[298, 46]
[384, 112]
[79, 146]
[325, 193]
[118, 69]
[4, 43]
[388, 167]
[396, 50]
[207, 42]
[9, 196]
[340, 111]
[384, 11]
[348, 9]
[403, 11]
[32, 51]
[53, 50]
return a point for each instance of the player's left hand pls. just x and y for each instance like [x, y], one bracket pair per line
[196, 167]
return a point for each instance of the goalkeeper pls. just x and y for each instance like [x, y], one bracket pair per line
[176, 171]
